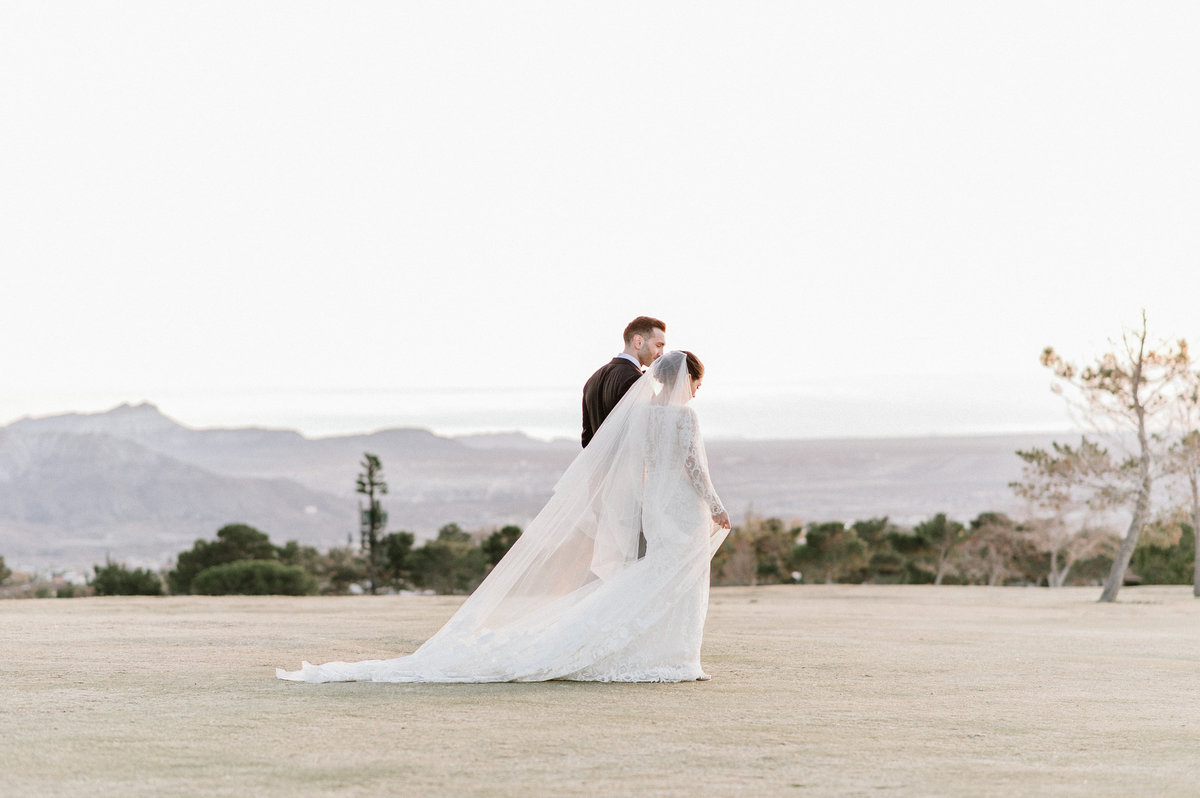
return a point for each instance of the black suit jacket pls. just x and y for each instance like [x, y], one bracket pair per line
[603, 390]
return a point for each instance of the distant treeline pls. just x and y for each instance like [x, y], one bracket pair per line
[243, 560]
[992, 549]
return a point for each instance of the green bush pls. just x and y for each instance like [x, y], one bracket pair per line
[447, 566]
[114, 579]
[1166, 564]
[497, 544]
[234, 542]
[254, 578]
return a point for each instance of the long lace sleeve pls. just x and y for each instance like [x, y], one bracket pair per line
[695, 462]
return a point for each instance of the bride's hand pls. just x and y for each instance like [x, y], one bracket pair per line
[721, 519]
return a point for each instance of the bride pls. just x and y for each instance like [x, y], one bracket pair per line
[572, 599]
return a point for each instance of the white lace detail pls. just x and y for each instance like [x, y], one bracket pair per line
[695, 462]
[674, 440]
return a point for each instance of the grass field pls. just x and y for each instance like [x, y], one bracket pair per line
[839, 690]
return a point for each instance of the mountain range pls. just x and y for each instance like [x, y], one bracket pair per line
[137, 486]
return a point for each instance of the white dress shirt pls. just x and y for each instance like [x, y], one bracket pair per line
[631, 359]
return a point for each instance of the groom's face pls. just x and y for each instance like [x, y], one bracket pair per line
[652, 347]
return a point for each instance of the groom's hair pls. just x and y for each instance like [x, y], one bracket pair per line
[643, 326]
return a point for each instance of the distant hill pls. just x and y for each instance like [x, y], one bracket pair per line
[139, 486]
[75, 497]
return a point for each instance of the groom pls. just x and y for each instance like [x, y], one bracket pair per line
[645, 339]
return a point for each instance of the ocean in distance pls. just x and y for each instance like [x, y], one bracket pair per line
[889, 408]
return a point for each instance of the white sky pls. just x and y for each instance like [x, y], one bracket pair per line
[865, 217]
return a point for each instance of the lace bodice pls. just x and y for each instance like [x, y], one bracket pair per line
[674, 442]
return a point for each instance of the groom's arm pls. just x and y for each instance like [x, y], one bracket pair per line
[602, 393]
[614, 383]
[616, 386]
[625, 381]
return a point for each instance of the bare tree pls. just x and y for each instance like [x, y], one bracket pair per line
[740, 565]
[996, 544]
[1125, 392]
[1066, 546]
[1067, 488]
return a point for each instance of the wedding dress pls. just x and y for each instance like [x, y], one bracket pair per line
[572, 599]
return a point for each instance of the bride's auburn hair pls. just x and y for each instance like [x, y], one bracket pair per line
[666, 368]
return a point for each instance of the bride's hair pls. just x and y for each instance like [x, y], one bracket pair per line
[671, 365]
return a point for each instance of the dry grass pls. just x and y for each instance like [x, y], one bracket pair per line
[816, 691]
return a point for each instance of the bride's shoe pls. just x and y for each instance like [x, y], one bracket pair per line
[704, 677]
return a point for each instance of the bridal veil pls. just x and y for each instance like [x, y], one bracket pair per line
[573, 598]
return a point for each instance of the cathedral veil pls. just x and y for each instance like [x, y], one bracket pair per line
[589, 529]
[573, 582]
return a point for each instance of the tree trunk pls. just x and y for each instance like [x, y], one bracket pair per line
[1196, 567]
[1195, 480]
[372, 542]
[1116, 577]
[1141, 510]
[1065, 572]
[1052, 580]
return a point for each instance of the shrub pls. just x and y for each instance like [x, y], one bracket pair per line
[1164, 563]
[447, 566]
[234, 542]
[499, 542]
[114, 579]
[254, 578]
